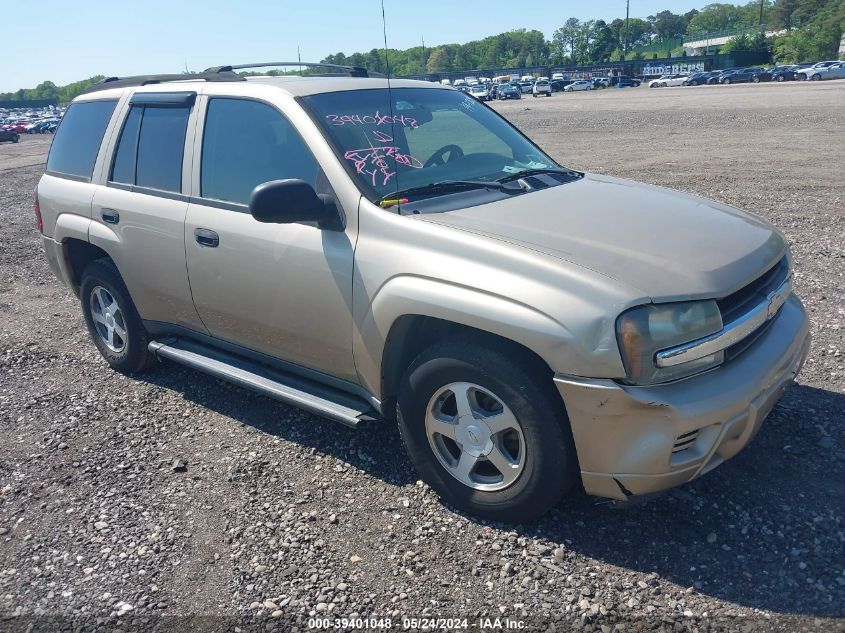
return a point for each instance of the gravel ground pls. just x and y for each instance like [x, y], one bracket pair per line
[177, 501]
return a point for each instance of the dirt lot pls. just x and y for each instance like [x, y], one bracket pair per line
[278, 515]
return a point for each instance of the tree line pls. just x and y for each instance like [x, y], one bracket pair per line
[811, 30]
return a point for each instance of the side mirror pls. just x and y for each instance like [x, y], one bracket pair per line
[290, 201]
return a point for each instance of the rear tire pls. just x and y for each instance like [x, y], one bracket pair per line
[755, 80]
[15, 138]
[726, 81]
[540, 466]
[112, 319]
[781, 78]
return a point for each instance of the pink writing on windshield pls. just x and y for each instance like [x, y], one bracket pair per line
[374, 161]
[372, 119]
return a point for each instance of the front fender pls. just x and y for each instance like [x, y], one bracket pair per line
[406, 295]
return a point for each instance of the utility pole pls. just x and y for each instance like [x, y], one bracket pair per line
[761, 12]
[423, 56]
[627, 30]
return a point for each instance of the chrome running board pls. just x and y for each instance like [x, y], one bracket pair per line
[319, 399]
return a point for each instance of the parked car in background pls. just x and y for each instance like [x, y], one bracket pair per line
[836, 71]
[601, 82]
[676, 79]
[542, 87]
[623, 81]
[581, 84]
[508, 91]
[558, 84]
[761, 74]
[816, 71]
[745, 75]
[525, 87]
[700, 79]
[9, 135]
[480, 92]
[783, 73]
[715, 77]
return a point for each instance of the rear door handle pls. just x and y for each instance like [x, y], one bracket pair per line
[207, 237]
[110, 216]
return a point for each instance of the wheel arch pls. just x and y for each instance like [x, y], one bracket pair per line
[78, 254]
[411, 334]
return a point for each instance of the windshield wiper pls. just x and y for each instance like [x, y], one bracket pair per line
[537, 172]
[440, 187]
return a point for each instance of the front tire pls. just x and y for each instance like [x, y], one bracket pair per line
[486, 430]
[112, 319]
[816, 77]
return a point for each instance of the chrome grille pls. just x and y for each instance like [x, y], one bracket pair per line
[746, 298]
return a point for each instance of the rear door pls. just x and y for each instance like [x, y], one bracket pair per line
[139, 214]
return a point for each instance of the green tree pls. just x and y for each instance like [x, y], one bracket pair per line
[782, 12]
[602, 42]
[718, 16]
[667, 25]
[440, 60]
[565, 39]
[820, 27]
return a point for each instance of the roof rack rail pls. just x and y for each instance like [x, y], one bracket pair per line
[352, 71]
[222, 73]
[143, 80]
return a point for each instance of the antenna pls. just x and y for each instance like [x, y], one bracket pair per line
[389, 92]
[299, 59]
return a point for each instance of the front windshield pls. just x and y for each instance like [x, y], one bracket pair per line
[423, 136]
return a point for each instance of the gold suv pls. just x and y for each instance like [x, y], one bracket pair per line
[395, 250]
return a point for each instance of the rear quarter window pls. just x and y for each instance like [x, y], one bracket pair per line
[74, 150]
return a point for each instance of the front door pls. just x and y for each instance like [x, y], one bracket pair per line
[280, 289]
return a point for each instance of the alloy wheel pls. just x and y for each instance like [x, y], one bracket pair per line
[475, 436]
[108, 319]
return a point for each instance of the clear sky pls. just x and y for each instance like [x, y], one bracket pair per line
[66, 41]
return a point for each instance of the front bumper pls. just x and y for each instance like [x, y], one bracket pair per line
[640, 440]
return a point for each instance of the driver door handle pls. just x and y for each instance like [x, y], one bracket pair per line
[207, 237]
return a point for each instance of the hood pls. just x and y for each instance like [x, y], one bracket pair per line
[668, 245]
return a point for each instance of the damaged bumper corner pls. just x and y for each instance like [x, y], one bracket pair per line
[58, 264]
[640, 440]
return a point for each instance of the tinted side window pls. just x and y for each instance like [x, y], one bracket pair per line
[247, 143]
[123, 169]
[160, 146]
[78, 138]
[149, 152]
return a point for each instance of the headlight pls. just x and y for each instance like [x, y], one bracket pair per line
[645, 330]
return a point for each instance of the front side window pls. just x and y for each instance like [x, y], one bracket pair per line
[246, 143]
[149, 152]
[413, 137]
[74, 150]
